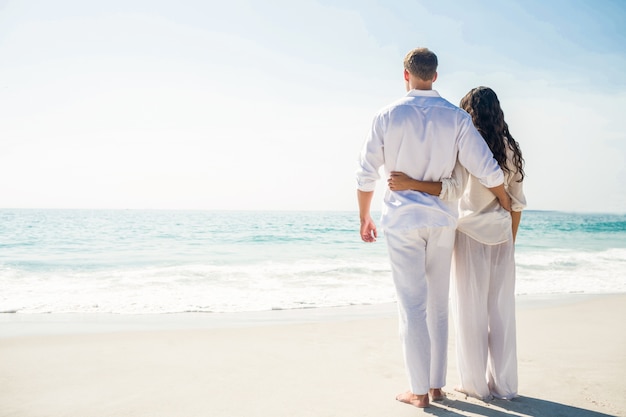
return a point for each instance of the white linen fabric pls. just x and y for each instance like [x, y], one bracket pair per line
[483, 271]
[484, 314]
[417, 269]
[480, 214]
[424, 136]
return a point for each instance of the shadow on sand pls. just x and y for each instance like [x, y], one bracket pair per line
[518, 407]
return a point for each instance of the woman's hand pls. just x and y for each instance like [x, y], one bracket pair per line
[399, 181]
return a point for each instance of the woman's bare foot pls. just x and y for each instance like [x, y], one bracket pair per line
[437, 394]
[420, 401]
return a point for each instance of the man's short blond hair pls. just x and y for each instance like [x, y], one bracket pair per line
[422, 63]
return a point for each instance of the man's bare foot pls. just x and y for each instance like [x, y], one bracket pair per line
[420, 401]
[437, 394]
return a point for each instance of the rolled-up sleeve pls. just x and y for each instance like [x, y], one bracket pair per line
[371, 157]
[452, 187]
[515, 188]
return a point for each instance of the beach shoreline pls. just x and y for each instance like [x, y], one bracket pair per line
[342, 361]
[16, 324]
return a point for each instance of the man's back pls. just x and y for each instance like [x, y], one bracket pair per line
[422, 135]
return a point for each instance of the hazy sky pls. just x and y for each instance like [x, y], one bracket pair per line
[250, 104]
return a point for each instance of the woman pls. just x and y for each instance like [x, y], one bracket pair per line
[483, 265]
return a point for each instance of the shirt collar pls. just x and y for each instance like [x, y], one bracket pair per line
[422, 93]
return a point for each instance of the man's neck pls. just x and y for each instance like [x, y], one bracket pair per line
[421, 85]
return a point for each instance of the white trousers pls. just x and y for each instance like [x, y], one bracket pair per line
[420, 266]
[484, 314]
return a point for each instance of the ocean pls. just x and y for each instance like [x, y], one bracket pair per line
[159, 261]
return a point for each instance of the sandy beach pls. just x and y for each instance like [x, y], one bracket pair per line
[329, 362]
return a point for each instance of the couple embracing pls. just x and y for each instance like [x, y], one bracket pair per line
[452, 209]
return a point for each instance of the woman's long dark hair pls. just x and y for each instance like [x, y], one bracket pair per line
[483, 105]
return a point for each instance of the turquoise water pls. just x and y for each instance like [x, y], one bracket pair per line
[136, 261]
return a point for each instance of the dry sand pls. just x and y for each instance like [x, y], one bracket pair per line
[337, 362]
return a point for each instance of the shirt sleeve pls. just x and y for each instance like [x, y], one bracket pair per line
[452, 187]
[476, 157]
[371, 157]
[514, 186]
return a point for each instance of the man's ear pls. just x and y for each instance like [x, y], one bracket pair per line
[435, 77]
[406, 75]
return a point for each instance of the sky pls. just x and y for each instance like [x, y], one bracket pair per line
[264, 105]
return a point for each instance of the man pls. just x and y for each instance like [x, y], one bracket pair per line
[422, 135]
